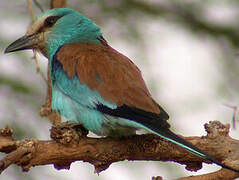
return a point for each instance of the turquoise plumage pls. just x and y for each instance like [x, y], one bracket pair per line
[69, 97]
[92, 83]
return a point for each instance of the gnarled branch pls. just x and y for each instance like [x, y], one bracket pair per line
[67, 147]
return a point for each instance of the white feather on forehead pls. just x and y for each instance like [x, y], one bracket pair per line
[36, 24]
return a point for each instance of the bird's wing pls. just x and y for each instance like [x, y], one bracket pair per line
[114, 77]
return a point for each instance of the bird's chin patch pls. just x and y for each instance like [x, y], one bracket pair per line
[42, 50]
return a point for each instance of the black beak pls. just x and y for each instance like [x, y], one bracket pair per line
[25, 42]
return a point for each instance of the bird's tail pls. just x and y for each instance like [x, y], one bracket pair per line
[155, 123]
[170, 136]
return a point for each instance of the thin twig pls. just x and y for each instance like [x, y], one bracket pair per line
[38, 66]
[38, 69]
[222, 174]
[38, 5]
[29, 3]
[235, 109]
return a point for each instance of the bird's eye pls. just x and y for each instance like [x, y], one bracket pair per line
[50, 21]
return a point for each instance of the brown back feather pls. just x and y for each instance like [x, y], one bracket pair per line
[113, 75]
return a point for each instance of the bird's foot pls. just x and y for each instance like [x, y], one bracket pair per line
[80, 130]
[68, 133]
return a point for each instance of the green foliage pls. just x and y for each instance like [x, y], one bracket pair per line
[16, 85]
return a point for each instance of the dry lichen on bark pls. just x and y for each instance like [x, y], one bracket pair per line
[69, 145]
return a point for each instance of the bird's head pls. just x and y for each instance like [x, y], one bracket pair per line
[54, 28]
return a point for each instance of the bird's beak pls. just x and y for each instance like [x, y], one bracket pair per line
[25, 42]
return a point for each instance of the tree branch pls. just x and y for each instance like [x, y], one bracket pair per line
[68, 147]
[222, 174]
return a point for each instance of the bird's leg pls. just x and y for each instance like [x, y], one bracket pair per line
[80, 129]
[68, 133]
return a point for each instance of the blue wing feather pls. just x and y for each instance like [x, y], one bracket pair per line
[76, 101]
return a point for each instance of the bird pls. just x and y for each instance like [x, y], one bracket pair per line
[92, 83]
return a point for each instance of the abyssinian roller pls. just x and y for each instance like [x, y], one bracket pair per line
[92, 83]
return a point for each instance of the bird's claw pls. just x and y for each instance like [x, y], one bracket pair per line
[68, 133]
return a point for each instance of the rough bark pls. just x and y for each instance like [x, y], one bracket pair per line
[69, 145]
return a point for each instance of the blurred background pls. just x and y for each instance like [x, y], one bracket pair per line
[187, 52]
